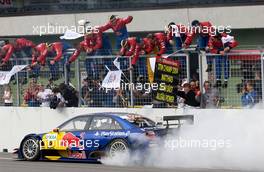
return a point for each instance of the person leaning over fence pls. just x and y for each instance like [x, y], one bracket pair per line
[59, 50]
[203, 30]
[130, 47]
[8, 97]
[176, 34]
[118, 25]
[221, 43]
[95, 43]
[249, 95]
[6, 52]
[210, 98]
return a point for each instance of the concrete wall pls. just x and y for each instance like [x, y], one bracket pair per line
[16, 122]
[239, 17]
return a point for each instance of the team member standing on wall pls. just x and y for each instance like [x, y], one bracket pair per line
[95, 43]
[118, 25]
[203, 30]
[176, 34]
[6, 52]
[60, 50]
[221, 43]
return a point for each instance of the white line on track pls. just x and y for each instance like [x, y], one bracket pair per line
[5, 158]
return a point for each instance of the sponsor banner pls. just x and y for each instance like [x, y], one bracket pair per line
[166, 73]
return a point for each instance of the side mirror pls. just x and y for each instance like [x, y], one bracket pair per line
[56, 130]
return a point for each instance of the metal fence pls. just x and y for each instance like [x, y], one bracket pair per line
[236, 78]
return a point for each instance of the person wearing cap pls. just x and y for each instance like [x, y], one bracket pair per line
[176, 34]
[218, 44]
[118, 25]
[203, 30]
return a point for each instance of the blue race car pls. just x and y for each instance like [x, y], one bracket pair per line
[89, 137]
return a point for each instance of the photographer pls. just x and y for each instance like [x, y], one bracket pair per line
[56, 99]
[70, 95]
[210, 98]
[249, 95]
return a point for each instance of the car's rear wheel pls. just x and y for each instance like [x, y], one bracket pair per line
[30, 149]
[116, 147]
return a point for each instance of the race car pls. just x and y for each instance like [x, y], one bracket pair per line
[90, 137]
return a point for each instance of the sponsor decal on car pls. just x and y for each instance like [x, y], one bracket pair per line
[112, 133]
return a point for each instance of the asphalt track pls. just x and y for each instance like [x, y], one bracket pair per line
[7, 164]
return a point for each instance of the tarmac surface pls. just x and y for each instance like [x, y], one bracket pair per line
[8, 164]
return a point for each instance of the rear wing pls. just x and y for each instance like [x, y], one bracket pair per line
[178, 120]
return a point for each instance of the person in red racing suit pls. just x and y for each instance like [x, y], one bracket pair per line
[176, 34]
[95, 43]
[130, 47]
[156, 40]
[220, 44]
[59, 49]
[6, 53]
[118, 25]
[204, 30]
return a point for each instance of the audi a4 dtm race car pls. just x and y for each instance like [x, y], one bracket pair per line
[90, 137]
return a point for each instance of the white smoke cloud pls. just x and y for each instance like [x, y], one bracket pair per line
[225, 140]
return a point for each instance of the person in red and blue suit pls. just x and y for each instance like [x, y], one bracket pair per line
[118, 25]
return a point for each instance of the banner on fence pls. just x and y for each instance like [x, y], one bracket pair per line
[6, 76]
[166, 76]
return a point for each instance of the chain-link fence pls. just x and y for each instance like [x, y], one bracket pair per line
[235, 80]
[237, 77]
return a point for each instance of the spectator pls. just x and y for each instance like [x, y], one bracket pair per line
[57, 100]
[188, 96]
[8, 97]
[85, 92]
[249, 95]
[210, 98]
[30, 96]
[119, 99]
[70, 95]
[258, 86]
[44, 96]
[50, 84]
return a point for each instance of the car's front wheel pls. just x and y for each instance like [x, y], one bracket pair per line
[116, 147]
[30, 149]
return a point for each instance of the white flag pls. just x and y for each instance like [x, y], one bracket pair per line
[6, 76]
[69, 35]
[112, 79]
[116, 63]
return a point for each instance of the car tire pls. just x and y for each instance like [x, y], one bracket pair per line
[30, 149]
[117, 146]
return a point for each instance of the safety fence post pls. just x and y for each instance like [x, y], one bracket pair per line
[131, 83]
[262, 75]
[77, 74]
